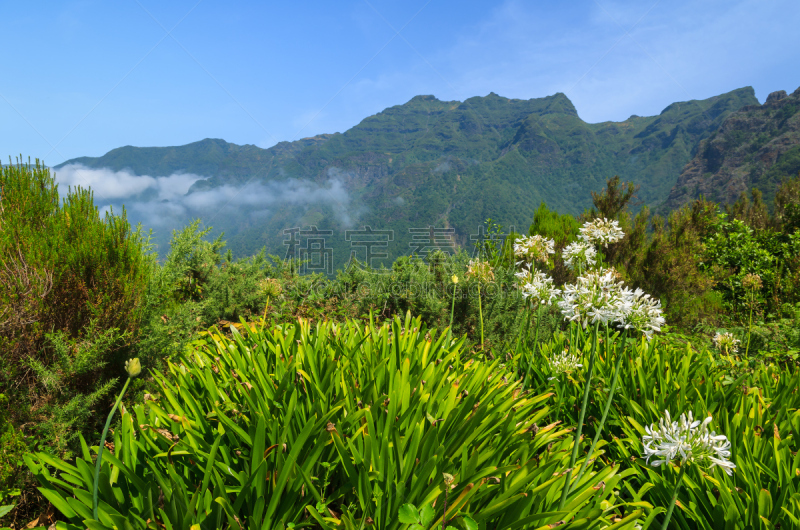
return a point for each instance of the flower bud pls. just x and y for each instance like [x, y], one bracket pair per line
[133, 367]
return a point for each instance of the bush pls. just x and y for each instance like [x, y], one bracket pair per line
[71, 292]
[331, 426]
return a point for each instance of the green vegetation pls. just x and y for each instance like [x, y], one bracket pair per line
[271, 399]
[329, 425]
[757, 148]
[440, 163]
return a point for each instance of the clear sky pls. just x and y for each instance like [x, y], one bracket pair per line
[82, 77]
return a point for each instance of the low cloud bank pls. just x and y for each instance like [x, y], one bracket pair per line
[110, 186]
[166, 202]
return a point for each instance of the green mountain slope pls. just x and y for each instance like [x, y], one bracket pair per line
[447, 164]
[757, 146]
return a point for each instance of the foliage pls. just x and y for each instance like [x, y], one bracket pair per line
[736, 249]
[69, 410]
[331, 426]
[562, 229]
[71, 302]
[63, 265]
[754, 402]
[13, 447]
[442, 163]
[190, 451]
[614, 200]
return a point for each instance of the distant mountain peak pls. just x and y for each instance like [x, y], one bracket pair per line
[427, 162]
[757, 146]
[776, 96]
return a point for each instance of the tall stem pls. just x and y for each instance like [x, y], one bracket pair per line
[522, 336]
[674, 497]
[452, 309]
[264, 320]
[480, 311]
[529, 314]
[535, 348]
[579, 429]
[605, 412]
[100, 449]
[749, 323]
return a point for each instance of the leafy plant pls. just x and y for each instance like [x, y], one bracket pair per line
[387, 408]
[756, 407]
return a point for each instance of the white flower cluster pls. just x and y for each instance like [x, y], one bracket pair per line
[689, 439]
[538, 287]
[598, 296]
[563, 362]
[530, 249]
[601, 231]
[641, 312]
[579, 255]
[726, 342]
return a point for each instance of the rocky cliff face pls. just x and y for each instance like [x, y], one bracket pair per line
[757, 146]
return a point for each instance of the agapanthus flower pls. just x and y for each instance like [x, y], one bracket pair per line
[529, 249]
[523, 276]
[688, 439]
[480, 270]
[563, 362]
[601, 231]
[539, 288]
[752, 282]
[726, 342]
[640, 312]
[270, 287]
[596, 297]
[579, 255]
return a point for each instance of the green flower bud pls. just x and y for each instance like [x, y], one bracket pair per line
[133, 367]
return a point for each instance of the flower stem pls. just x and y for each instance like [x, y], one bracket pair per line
[100, 449]
[452, 310]
[480, 311]
[535, 348]
[605, 412]
[749, 324]
[674, 497]
[264, 320]
[579, 428]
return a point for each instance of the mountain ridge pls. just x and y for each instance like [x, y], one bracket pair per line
[756, 147]
[445, 163]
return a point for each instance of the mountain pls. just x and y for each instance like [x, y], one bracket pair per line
[757, 146]
[446, 164]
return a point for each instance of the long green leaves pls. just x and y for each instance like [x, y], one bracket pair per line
[757, 408]
[330, 426]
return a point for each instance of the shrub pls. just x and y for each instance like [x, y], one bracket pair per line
[327, 426]
[71, 291]
[562, 229]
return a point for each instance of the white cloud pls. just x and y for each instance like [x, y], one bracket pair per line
[109, 185]
[166, 202]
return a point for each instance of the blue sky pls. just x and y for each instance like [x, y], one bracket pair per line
[81, 78]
